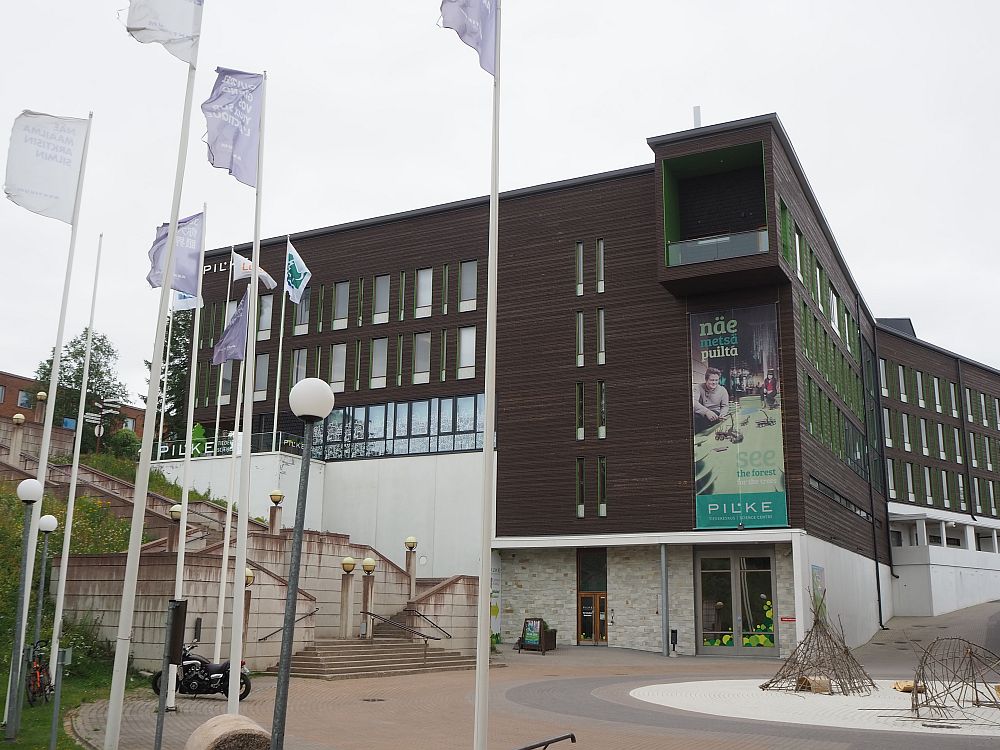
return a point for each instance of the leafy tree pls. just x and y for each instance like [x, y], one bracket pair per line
[124, 444]
[102, 381]
[177, 378]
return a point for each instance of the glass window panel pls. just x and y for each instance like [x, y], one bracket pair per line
[264, 312]
[446, 443]
[358, 424]
[402, 420]
[422, 301]
[433, 417]
[422, 353]
[376, 421]
[380, 349]
[338, 364]
[467, 352]
[593, 564]
[302, 309]
[380, 306]
[481, 412]
[600, 266]
[468, 278]
[260, 373]
[419, 418]
[341, 296]
[227, 383]
[447, 422]
[299, 357]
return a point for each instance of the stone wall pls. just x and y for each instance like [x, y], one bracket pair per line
[784, 598]
[634, 598]
[452, 605]
[538, 583]
[680, 591]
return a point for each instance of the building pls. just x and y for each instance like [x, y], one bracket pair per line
[689, 385]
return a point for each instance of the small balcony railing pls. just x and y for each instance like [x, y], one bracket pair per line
[719, 247]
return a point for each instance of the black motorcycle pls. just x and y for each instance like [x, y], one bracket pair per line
[198, 676]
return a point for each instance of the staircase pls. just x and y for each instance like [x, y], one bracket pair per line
[383, 656]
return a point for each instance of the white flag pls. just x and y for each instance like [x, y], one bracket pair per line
[183, 301]
[176, 24]
[44, 162]
[475, 22]
[243, 267]
[296, 275]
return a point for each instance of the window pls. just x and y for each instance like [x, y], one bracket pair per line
[798, 253]
[579, 411]
[380, 305]
[467, 283]
[580, 493]
[996, 410]
[887, 427]
[3, 393]
[923, 437]
[920, 389]
[902, 383]
[422, 357]
[881, 377]
[129, 424]
[834, 311]
[302, 315]
[579, 269]
[982, 410]
[819, 286]
[444, 290]
[890, 478]
[909, 483]
[988, 453]
[25, 400]
[905, 419]
[937, 394]
[958, 446]
[379, 356]
[260, 377]
[341, 297]
[338, 367]
[357, 365]
[422, 294]
[466, 352]
[399, 359]
[361, 304]
[444, 354]
[264, 317]
[600, 336]
[968, 405]
[954, 399]
[940, 441]
[973, 453]
[927, 486]
[961, 490]
[299, 357]
[944, 489]
[226, 389]
[977, 498]
[602, 409]
[600, 266]
[402, 295]
[579, 338]
[602, 486]
[230, 309]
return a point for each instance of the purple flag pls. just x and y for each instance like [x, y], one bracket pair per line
[233, 115]
[187, 255]
[233, 344]
[475, 22]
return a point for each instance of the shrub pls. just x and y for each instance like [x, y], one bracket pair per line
[124, 444]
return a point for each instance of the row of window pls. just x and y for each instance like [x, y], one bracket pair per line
[598, 267]
[906, 383]
[939, 488]
[821, 349]
[830, 425]
[581, 486]
[330, 304]
[580, 340]
[601, 410]
[825, 489]
[910, 433]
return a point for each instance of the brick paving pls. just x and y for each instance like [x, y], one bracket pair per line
[584, 690]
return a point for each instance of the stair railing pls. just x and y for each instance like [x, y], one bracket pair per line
[545, 743]
[275, 632]
[429, 620]
[406, 628]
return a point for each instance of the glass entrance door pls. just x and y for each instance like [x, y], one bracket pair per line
[592, 618]
[735, 598]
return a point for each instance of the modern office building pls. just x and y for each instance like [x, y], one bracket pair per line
[701, 428]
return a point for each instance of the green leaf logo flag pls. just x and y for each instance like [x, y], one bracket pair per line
[297, 275]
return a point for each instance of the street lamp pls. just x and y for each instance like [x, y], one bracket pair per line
[175, 512]
[311, 400]
[348, 564]
[277, 496]
[46, 525]
[18, 420]
[368, 565]
[248, 577]
[174, 532]
[410, 543]
[29, 492]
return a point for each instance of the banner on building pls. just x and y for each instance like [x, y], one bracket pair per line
[739, 457]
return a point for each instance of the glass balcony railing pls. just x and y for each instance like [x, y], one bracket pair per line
[717, 248]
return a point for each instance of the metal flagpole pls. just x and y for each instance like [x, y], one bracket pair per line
[166, 376]
[43, 453]
[123, 645]
[74, 473]
[239, 582]
[189, 445]
[218, 394]
[281, 342]
[483, 638]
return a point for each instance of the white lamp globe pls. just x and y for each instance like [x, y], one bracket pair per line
[175, 512]
[311, 399]
[29, 491]
[47, 524]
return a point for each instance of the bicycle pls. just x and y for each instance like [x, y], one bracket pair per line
[38, 684]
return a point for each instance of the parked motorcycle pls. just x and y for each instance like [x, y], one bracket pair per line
[198, 676]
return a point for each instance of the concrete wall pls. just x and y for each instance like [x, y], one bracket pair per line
[935, 580]
[634, 598]
[539, 583]
[452, 605]
[680, 592]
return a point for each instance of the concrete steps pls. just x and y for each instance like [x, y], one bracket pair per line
[379, 657]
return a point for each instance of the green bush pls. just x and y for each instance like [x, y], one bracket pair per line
[124, 444]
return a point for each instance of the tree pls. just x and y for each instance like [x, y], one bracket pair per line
[102, 380]
[175, 396]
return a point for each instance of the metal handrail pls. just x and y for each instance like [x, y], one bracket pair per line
[545, 743]
[432, 623]
[308, 614]
[407, 628]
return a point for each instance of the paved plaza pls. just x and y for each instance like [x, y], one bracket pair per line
[584, 690]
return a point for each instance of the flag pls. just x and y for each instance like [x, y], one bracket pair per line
[184, 301]
[187, 255]
[176, 24]
[243, 267]
[233, 344]
[475, 22]
[233, 115]
[296, 275]
[43, 163]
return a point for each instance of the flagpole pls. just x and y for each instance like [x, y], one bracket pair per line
[483, 639]
[218, 395]
[166, 377]
[74, 472]
[43, 453]
[188, 447]
[123, 645]
[239, 582]
[228, 528]
[281, 343]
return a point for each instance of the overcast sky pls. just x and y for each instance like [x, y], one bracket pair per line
[372, 109]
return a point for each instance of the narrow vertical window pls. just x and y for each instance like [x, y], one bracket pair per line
[301, 322]
[958, 446]
[602, 409]
[968, 405]
[422, 357]
[600, 336]
[338, 367]
[579, 269]
[319, 309]
[361, 303]
[982, 410]
[444, 354]
[341, 297]
[602, 486]
[988, 453]
[260, 377]
[299, 359]
[580, 490]
[264, 317]
[467, 282]
[834, 311]
[961, 490]
[817, 293]
[444, 289]
[954, 399]
[910, 495]
[600, 266]
[942, 454]
[798, 253]
[402, 295]
[226, 392]
[380, 302]
[937, 394]
[887, 427]
[422, 293]
[579, 411]
[379, 355]
[996, 412]
[920, 389]
[928, 495]
[466, 352]
[902, 383]
[579, 338]
[357, 365]
[890, 477]
[924, 447]
[319, 362]
[399, 359]
[230, 309]
[973, 453]
[881, 377]
[944, 489]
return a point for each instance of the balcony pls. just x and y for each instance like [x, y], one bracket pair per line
[719, 247]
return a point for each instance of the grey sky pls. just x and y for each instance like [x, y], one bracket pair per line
[372, 109]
